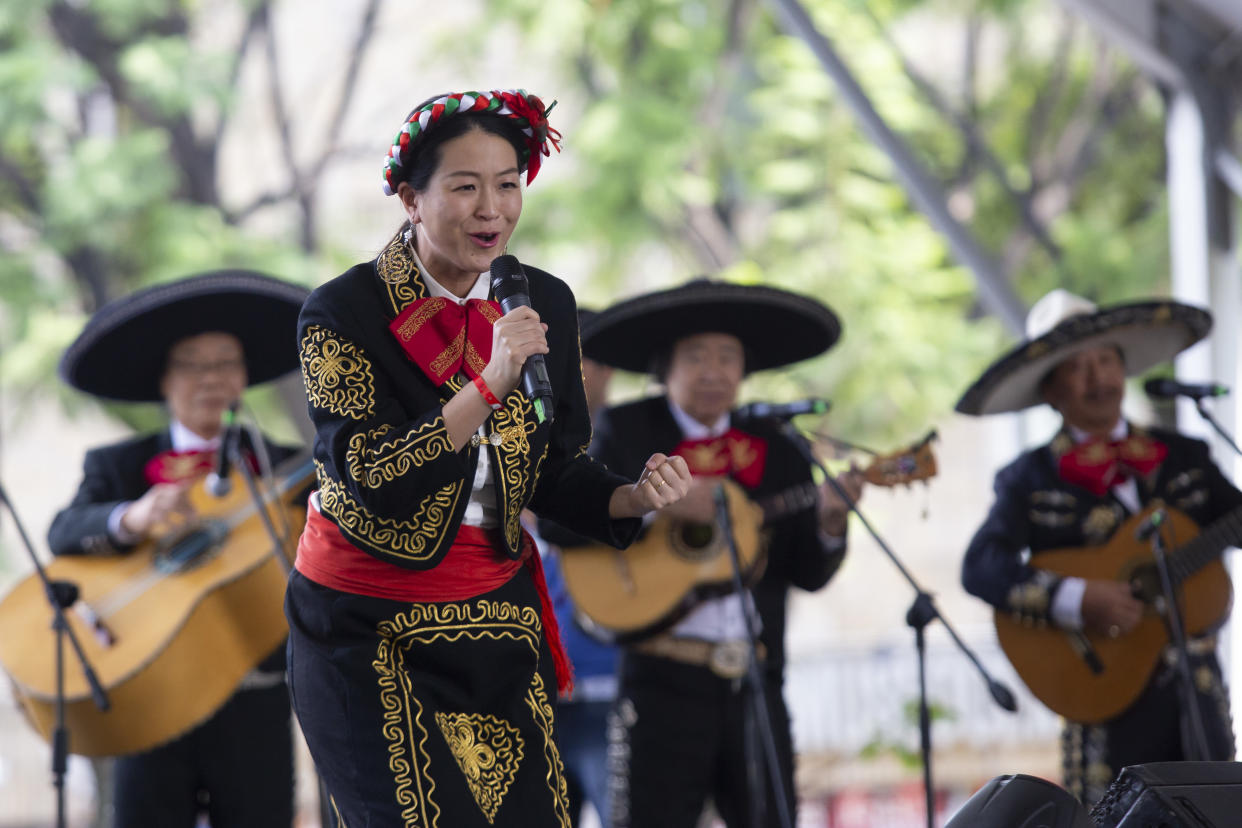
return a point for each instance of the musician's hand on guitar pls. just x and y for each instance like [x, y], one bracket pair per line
[664, 481]
[699, 504]
[1109, 608]
[833, 511]
[163, 503]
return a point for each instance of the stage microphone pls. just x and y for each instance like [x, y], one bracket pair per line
[1165, 389]
[218, 483]
[1151, 525]
[512, 290]
[783, 411]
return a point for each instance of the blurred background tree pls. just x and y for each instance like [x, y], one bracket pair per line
[708, 141]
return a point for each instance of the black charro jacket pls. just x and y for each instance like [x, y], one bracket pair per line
[388, 475]
[626, 435]
[1035, 509]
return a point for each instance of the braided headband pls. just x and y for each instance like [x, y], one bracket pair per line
[527, 111]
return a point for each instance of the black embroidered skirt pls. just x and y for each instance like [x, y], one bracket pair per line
[427, 715]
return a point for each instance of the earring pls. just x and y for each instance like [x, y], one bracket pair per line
[408, 235]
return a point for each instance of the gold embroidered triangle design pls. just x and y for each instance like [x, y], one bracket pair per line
[488, 750]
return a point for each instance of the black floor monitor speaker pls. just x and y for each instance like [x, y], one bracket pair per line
[1173, 795]
[1020, 801]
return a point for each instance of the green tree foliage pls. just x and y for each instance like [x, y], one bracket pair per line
[710, 141]
[705, 140]
[111, 130]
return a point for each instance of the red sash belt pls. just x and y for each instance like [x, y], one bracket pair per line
[473, 566]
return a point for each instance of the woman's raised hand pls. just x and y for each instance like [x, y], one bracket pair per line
[515, 337]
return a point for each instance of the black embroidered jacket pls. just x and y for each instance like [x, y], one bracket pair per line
[388, 475]
[1035, 509]
[626, 435]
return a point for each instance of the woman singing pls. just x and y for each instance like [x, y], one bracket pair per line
[424, 659]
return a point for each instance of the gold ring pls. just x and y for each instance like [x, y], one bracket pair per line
[656, 481]
[1114, 631]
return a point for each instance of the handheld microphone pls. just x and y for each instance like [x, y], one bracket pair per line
[783, 411]
[512, 290]
[218, 483]
[1165, 389]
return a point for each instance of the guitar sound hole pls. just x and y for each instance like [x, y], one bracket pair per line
[190, 548]
[695, 541]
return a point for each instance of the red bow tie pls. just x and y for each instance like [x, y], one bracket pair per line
[1097, 465]
[175, 466]
[443, 337]
[734, 453]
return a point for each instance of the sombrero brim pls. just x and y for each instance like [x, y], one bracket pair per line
[776, 327]
[1148, 333]
[122, 351]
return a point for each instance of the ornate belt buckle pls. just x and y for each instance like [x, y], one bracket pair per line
[728, 659]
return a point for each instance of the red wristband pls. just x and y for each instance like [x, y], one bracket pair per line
[488, 396]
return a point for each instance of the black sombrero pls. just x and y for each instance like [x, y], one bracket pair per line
[1148, 333]
[776, 327]
[121, 353]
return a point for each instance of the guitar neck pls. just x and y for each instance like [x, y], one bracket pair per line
[1207, 546]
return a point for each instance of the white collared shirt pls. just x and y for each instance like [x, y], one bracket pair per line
[1066, 607]
[717, 619]
[481, 510]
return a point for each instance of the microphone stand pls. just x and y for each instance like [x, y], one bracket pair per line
[60, 595]
[921, 613]
[1168, 607]
[1207, 415]
[279, 541]
[758, 692]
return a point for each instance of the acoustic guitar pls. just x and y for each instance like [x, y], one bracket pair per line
[171, 628]
[1090, 678]
[623, 596]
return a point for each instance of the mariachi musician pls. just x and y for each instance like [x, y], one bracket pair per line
[677, 736]
[194, 345]
[1098, 471]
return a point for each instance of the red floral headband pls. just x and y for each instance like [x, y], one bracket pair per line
[526, 110]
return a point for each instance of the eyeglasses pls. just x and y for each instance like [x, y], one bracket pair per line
[202, 369]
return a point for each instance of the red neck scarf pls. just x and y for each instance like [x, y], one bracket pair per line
[735, 453]
[443, 337]
[1098, 465]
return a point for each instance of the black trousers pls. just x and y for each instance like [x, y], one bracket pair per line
[237, 766]
[678, 735]
[428, 714]
[1154, 729]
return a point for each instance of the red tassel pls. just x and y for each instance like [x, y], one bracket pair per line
[551, 629]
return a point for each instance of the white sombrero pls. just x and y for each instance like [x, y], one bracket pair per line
[1148, 333]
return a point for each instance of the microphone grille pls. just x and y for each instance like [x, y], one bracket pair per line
[508, 277]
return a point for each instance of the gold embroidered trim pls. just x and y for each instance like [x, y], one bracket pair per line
[401, 277]
[541, 709]
[402, 714]
[427, 623]
[488, 750]
[337, 375]
[417, 539]
[373, 463]
[1053, 520]
[1100, 523]
[416, 320]
[515, 473]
